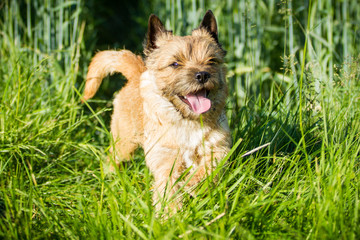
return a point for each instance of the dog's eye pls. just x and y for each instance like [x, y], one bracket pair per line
[174, 65]
[213, 62]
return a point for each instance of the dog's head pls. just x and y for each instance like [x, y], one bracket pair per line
[189, 70]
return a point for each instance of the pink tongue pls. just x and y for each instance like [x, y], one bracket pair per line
[198, 102]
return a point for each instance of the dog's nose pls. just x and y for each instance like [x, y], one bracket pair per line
[202, 77]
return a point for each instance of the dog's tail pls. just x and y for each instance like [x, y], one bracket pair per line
[110, 62]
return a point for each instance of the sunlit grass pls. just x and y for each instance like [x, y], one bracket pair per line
[300, 184]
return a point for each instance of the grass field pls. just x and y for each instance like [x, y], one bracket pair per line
[294, 92]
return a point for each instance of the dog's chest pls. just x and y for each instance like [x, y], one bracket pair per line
[189, 135]
[189, 138]
[184, 139]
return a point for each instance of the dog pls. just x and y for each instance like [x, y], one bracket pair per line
[172, 105]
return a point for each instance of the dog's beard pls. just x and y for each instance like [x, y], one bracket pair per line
[190, 98]
[193, 103]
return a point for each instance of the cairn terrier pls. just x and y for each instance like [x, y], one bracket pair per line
[172, 105]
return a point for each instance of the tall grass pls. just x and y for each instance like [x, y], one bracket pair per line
[294, 92]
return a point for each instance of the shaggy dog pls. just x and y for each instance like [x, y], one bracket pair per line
[172, 105]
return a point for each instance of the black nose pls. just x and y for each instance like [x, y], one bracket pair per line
[202, 77]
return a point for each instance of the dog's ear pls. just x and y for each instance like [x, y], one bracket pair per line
[209, 24]
[155, 28]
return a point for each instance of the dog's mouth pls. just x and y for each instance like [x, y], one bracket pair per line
[198, 101]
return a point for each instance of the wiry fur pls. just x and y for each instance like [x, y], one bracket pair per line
[149, 111]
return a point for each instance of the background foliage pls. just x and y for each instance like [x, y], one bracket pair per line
[293, 75]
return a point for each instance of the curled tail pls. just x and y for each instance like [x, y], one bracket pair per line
[110, 62]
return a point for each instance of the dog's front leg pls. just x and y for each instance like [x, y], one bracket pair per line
[166, 168]
[207, 164]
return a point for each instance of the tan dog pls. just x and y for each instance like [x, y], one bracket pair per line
[160, 108]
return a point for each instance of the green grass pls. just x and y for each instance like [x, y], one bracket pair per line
[294, 83]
